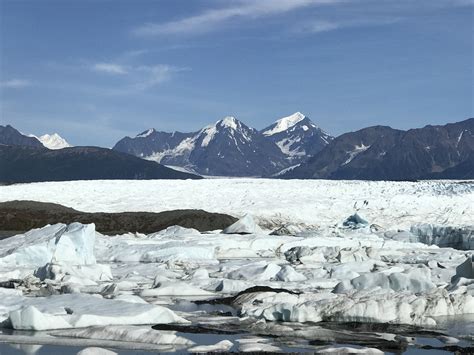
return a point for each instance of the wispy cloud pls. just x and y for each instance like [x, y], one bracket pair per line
[138, 77]
[211, 19]
[319, 26]
[215, 18]
[109, 68]
[15, 83]
[149, 76]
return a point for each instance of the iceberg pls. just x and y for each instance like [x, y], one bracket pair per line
[355, 221]
[245, 225]
[71, 244]
[80, 311]
[461, 238]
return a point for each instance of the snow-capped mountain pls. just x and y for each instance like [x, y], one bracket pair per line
[162, 147]
[227, 147]
[297, 137]
[53, 141]
[25, 159]
[11, 136]
[384, 153]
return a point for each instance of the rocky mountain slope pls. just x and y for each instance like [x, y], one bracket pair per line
[383, 153]
[10, 136]
[30, 164]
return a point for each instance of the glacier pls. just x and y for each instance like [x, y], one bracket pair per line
[292, 264]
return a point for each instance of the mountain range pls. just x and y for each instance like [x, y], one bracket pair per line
[26, 159]
[384, 153]
[291, 148]
[231, 148]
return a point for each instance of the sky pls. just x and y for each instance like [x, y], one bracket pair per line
[95, 71]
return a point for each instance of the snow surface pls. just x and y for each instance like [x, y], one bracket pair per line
[229, 122]
[284, 123]
[209, 132]
[285, 146]
[182, 149]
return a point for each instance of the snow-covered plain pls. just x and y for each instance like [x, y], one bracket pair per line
[339, 251]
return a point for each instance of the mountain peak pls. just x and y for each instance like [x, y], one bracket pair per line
[228, 121]
[284, 123]
[53, 141]
[11, 136]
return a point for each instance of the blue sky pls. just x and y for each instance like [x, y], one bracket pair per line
[97, 70]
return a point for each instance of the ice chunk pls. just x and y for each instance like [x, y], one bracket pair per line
[169, 288]
[71, 244]
[259, 271]
[343, 350]
[135, 334]
[293, 255]
[415, 280]
[233, 286]
[352, 269]
[66, 273]
[448, 340]
[164, 253]
[461, 238]
[223, 345]
[465, 270]
[362, 306]
[355, 221]
[96, 351]
[245, 225]
[402, 236]
[289, 229]
[234, 253]
[174, 231]
[288, 274]
[200, 274]
[347, 255]
[257, 345]
[80, 311]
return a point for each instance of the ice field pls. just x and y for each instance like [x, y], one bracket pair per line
[273, 202]
[325, 266]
